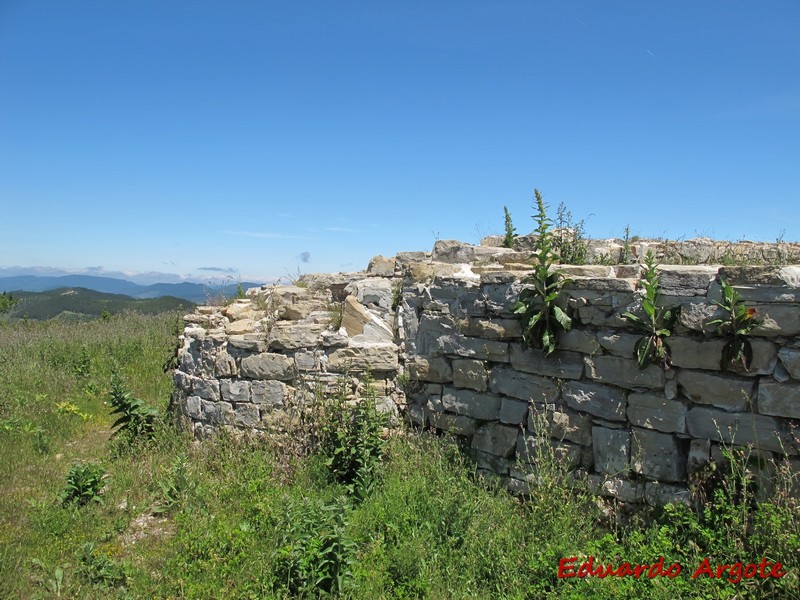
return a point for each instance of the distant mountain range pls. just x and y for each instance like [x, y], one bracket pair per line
[80, 304]
[196, 293]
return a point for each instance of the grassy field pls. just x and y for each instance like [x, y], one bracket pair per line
[353, 515]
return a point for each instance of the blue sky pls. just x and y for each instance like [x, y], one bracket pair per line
[267, 137]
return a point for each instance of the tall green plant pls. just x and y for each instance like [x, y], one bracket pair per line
[656, 323]
[541, 317]
[508, 241]
[736, 325]
[136, 417]
[570, 240]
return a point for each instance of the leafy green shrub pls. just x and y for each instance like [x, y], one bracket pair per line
[736, 325]
[136, 418]
[98, 568]
[569, 240]
[85, 483]
[541, 317]
[657, 324]
[508, 240]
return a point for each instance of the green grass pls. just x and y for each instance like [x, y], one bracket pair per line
[242, 518]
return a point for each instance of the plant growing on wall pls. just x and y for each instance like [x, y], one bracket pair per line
[656, 323]
[541, 318]
[570, 240]
[508, 241]
[736, 325]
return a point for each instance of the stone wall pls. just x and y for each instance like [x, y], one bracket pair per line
[437, 334]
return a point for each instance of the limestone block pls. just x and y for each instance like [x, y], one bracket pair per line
[686, 280]
[612, 450]
[742, 429]
[500, 298]
[778, 319]
[623, 372]
[375, 291]
[494, 328]
[569, 426]
[696, 354]
[787, 276]
[561, 364]
[490, 462]
[603, 401]
[235, 390]
[225, 365]
[268, 366]
[695, 314]
[380, 266]
[375, 357]
[246, 415]
[699, 455]
[657, 493]
[484, 407]
[790, 358]
[242, 309]
[579, 285]
[653, 411]
[455, 252]
[293, 336]
[779, 399]
[600, 316]
[658, 456]
[334, 339]
[194, 407]
[459, 345]
[248, 342]
[496, 439]
[618, 344]
[243, 326]
[723, 391]
[470, 374]
[217, 413]
[431, 328]
[512, 412]
[310, 360]
[434, 368]
[509, 382]
[207, 389]
[269, 392]
[578, 340]
[416, 415]
[588, 271]
[358, 321]
[455, 424]
[616, 487]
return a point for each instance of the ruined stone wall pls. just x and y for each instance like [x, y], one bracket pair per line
[437, 334]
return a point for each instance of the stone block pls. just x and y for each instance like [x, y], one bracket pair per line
[723, 391]
[207, 389]
[455, 424]
[217, 413]
[512, 412]
[490, 462]
[657, 493]
[699, 455]
[779, 399]
[380, 266]
[618, 344]
[467, 347]
[777, 320]
[484, 407]
[561, 364]
[310, 360]
[235, 390]
[268, 366]
[470, 374]
[742, 429]
[623, 372]
[375, 357]
[603, 401]
[497, 329]
[269, 392]
[243, 326]
[293, 336]
[246, 415]
[790, 358]
[434, 368]
[194, 407]
[225, 365]
[686, 280]
[431, 328]
[248, 342]
[496, 439]
[569, 426]
[658, 456]
[616, 487]
[524, 386]
[696, 354]
[375, 291]
[578, 340]
[695, 314]
[612, 450]
[653, 411]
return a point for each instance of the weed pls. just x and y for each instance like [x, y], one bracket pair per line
[736, 325]
[397, 294]
[175, 486]
[569, 238]
[541, 317]
[97, 568]
[626, 252]
[68, 408]
[136, 417]
[508, 240]
[51, 579]
[657, 324]
[336, 313]
[84, 484]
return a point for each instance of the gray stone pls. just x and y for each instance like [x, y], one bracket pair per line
[374, 357]
[380, 266]
[248, 342]
[194, 407]
[578, 341]
[246, 415]
[561, 364]
[612, 450]
[235, 391]
[374, 290]
[695, 314]
[268, 392]
[778, 320]
[616, 487]
[779, 399]
[434, 369]
[494, 328]
[496, 464]
[306, 360]
[742, 429]
[657, 493]
[790, 358]
[484, 407]
[460, 345]
[507, 381]
[268, 366]
[686, 280]
[623, 372]
[456, 424]
[293, 336]
[217, 413]
[455, 252]
[723, 391]
[569, 426]
[470, 374]
[600, 400]
[431, 328]
[512, 412]
[225, 365]
[599, 284]
[656, 412]
[699, 455]
[496, 439]
[619, 344]
[696, 354]
[207, 389]
[658, 456]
